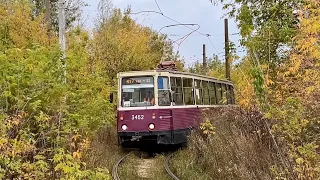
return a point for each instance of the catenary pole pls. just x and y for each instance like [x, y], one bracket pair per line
[204, 63]
[227, 48]
[62, 37]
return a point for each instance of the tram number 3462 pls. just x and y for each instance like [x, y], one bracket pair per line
[137, 117]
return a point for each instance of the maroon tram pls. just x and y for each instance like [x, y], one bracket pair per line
[161, 106]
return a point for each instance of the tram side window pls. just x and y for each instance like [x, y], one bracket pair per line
[176, 87]
[198, 91]
[228, 94]
[224, 94]
[219, 93]
[188, 91]
[164, 97]
[232, 95]
[206, 97]
[212, 93]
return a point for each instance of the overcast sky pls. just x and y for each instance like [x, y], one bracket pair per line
[202, 12]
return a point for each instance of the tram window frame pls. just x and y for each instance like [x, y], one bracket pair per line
[213, 93]
[135, 95]
[166, 99]
[206, 94]
[228, 94]
[224, 92]
[198, 89]
[218, 87]
[233, 101]
[176, 88]
[187, 86]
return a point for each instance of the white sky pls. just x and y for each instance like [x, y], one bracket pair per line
[209, 17]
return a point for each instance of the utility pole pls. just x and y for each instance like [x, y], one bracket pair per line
[62, 42]
[227, 48]
[62, 36]
[204, 63]
[48, 13]
[47, 4]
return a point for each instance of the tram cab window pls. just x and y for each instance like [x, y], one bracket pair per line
[219, 93]
[176, 89]
[206, 97]
[212, 93]
[137, 91]
[198, 91]
[188, 91]
[164, 96]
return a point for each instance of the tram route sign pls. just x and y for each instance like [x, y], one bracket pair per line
[137, 80]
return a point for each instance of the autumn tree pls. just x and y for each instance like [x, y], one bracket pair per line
[282, 66]
[41, 136]
[298, 95]
[120, 44]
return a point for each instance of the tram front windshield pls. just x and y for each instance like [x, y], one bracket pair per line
[137, 91]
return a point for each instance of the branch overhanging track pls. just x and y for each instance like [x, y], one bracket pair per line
[167, 167]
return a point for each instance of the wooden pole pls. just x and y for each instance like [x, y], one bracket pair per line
[204, 63]
[227, 48]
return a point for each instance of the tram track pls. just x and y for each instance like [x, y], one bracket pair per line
[115, 174]
[167, 166]
[115, 169]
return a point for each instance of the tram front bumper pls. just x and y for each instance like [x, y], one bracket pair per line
[160, 137]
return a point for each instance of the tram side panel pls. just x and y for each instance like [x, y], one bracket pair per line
[184, 119]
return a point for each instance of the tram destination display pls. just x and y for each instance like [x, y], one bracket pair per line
[137, 80]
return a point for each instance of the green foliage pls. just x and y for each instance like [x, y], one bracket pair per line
[215, 67]
[43, 136]
[207, 128]
[32, 92]
[49, 128]
[258, 84]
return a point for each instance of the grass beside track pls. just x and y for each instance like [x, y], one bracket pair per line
[239, 147]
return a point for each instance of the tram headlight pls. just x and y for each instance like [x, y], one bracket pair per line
[151, 126]
[124, 127]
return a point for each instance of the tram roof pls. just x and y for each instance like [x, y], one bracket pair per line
[139, 73]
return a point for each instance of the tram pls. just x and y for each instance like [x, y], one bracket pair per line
[161, 106]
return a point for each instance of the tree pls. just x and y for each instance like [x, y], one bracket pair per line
[122, 45]
[73, 11]
[40, 137]
[282, 38]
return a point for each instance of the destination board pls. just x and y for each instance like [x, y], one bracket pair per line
[137, 80]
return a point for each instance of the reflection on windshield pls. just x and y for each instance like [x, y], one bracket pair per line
[137, 92]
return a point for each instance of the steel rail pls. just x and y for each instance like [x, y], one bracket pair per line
[166, 166]
[115, 174]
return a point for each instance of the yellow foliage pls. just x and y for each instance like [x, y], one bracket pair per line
[207, 128]
[76, 155]
[20, 28]
[300, 85]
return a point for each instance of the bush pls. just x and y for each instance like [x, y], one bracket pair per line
[230, 144]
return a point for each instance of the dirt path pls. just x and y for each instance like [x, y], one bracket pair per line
[145, 168]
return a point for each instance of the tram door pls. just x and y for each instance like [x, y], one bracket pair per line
[171, 127]
[166, 120]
